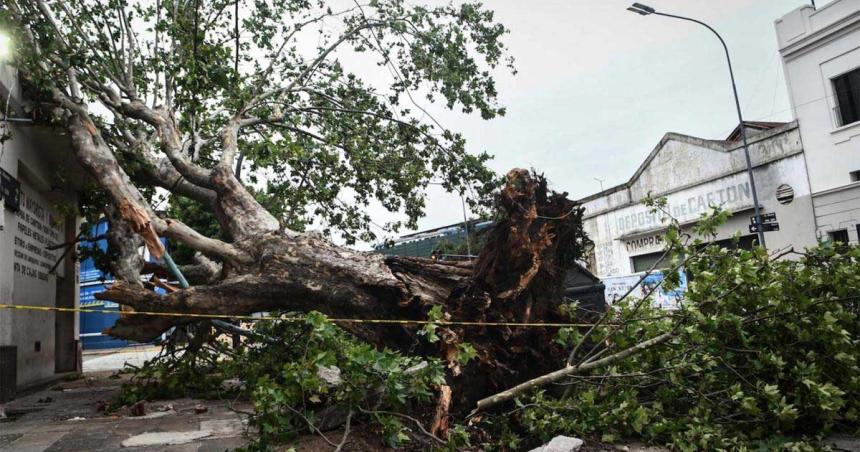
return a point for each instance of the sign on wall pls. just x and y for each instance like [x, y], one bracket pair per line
[635, 230]
[648, 243]
[731, 193]
[617, 286]
[38, 228]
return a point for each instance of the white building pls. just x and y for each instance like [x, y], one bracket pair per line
[38, 181]
[694, 174]
[807, 172]
[821, 58]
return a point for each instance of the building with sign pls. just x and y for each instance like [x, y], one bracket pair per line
[820, 51]
[694, 174]
[38, 181]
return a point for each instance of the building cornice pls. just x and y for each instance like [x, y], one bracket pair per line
[829, 191]
[822, 36]
[587, 216]
[719, 146]
[680, 188]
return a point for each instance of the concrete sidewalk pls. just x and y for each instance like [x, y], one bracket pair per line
[67, 417]
[115, 359]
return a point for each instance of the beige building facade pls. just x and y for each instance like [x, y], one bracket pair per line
[694, 175]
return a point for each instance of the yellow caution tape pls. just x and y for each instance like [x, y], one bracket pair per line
[296, 319]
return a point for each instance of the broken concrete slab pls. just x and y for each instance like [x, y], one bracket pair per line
[222, 428]
[329, 374]
[561, 444]
[164, 438]
[842, 443]
[218, 428]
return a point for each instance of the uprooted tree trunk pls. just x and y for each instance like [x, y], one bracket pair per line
[517, 278]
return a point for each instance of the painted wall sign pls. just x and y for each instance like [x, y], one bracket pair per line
[730, 193]
[646, 243]
[617, 286]
[36, 230]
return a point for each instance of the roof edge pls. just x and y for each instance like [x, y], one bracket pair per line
[716, 145]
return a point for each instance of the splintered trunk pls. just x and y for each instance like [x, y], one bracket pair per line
[517, 278]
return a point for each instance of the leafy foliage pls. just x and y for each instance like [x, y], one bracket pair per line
[765, 351]
[288, 388]
[328, 138]
[183, 368]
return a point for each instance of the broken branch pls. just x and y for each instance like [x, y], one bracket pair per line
[544, 380]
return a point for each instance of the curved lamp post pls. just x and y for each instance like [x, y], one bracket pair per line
[646, 10]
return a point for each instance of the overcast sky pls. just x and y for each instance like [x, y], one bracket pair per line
[598, 86]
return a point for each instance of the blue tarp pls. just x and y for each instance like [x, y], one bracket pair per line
[93, 323]
[89, 272]
[93, 281]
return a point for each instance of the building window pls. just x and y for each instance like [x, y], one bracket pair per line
[746, 242]
[847, 89]
[644, 262]
[855, 176]
[838, 236]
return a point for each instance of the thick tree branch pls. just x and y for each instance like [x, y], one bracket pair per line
[93, 153]
[169, 138]
[178, 230]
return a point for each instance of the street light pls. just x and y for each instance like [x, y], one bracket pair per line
[646, 10]
[641, 9]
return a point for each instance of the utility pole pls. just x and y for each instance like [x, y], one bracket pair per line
[645, 10]
[466, 227]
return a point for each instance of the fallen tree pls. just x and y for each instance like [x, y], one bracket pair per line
[178, 113]
[517, 279]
